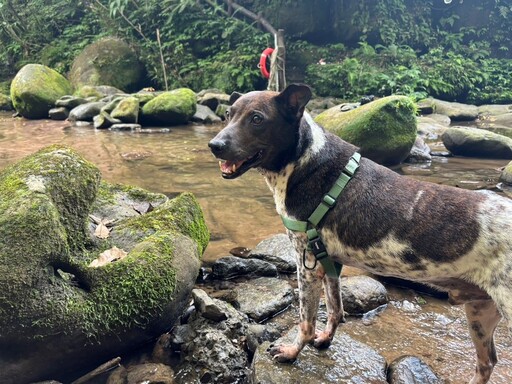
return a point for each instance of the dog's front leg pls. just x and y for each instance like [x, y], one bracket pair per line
[310, 288]
[335, 314]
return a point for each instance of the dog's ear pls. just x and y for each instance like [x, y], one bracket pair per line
[295, 97]
[234, 97]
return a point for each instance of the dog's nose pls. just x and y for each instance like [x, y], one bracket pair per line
[217, 146]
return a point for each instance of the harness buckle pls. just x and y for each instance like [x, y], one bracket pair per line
[317, 247]
[329, 200]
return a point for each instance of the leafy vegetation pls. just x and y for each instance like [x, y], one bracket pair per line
[407, 47]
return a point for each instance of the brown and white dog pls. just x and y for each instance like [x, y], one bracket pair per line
[456, 240]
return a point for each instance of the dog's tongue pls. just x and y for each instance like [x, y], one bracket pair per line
[229, 166]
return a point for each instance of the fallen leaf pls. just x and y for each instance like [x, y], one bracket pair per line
[108, 256]
[101, 231]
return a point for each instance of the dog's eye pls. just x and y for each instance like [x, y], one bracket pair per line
[257, 120]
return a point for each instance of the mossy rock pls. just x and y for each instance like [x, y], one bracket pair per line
[5, 103]
[170, 108]
[385, 129]
[476, 142]
[61, 317]
[506, 174]
[108, 61]
[36, 88]
[127, 110]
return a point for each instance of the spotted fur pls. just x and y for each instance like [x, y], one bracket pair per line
[457, 240]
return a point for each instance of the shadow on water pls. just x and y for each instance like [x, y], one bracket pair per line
[241, 213]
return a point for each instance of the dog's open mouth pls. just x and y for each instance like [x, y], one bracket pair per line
[232, 169]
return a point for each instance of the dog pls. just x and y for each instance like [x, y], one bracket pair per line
[456, 240]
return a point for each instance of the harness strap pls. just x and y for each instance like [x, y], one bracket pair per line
[315, 244]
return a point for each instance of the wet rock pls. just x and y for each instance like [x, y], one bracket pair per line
[362, 294]
[5, 102]
[456, 111]
[420, 152]
[345, 361]
[112, 103]
[411, 370]
[108, 61]
[385, 129]
[44, 209]
[85, 112]
[465, 141]
[205, 115]
[104, 120]
[221, 110]
[231, 266]
[127, 110]
[207, 307]
[506, 174]
[59, 113]
[36, 88]
[258, 334]
[277, 250]
[216, 352]
[125, 127]
[426, 106]
[370, 316]
[429, 129]
[170, 108]
[264, 297]
[162, 351]
[180, 335]
[212, 98]
[150, 373]
[494, 109]
[70, 102]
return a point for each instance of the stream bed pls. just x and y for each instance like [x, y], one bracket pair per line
[241, 213]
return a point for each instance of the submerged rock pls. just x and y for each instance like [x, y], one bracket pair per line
[475, 142]
[345, 361]
[411, 370]
[385, 129]
[58, 315]
[36, 88]
[231, 266]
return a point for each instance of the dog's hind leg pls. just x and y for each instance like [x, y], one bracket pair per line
[335, 314]
[310, 289]
[483, 317]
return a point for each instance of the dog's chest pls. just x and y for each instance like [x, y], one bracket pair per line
[278, 183]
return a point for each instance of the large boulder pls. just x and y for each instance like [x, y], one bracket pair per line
[475, 142]
[64, 307]
[170, 108]
[36, 88]
[385, 129]
[107, 61]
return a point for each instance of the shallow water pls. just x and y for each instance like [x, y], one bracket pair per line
[241, 213]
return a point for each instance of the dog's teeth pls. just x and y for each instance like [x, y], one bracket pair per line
[233, 168]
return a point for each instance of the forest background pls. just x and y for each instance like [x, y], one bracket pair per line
[456, 50]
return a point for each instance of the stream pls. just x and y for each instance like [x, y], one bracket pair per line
[241, 213]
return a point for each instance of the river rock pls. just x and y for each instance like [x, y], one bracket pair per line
[58, 113]
[207, 307]
[70, 102]
[456, 111]
[475, 142]
[411, 370]
[5, 102]
[142, 373]
[170, 108]
[213, 351]
[420, 152]
[73, 317]
[145, 96]
[231, 266]
[127, 110]
[36, 88]
[125, 127]
[426, 106]
[385, 129]
[85, 112]
[362, 294]
[108, 61]
[494, 109]
[506, 174]
[345, 361]
[212, 98]
[430, 129]
[103, 120]
[205, 115]
[264, 297]
[278, 250]
[98, 92]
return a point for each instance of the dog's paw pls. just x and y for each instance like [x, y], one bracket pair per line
[322, 340]
[283, 353]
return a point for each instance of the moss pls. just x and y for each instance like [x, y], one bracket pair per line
[127, 110]
[385, 129]
[36, 88]
[88, 91]
[174, 107]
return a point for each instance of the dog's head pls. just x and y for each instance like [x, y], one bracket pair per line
[262, 130]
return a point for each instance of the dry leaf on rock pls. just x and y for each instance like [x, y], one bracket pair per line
[108, 256]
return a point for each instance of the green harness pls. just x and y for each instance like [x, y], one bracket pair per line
[315, 244]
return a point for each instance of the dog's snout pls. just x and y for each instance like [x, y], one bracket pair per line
[217, 146]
